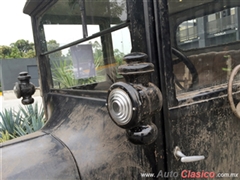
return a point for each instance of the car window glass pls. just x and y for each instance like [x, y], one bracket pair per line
[205, 48]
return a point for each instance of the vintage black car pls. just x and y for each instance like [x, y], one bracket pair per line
[168, 109]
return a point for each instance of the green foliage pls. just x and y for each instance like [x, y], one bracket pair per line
[5, 136]
[24, 49]
[97, 54]
[51, 45]
[30, 54]
[33, 119]
[118, 55]
[113, 8]
[63, 76]
[10, 119]
[5, 52]
[20, 49]
[26, 120]
[23, 45]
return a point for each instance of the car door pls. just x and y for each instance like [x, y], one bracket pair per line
[198, 48]
[75, 90]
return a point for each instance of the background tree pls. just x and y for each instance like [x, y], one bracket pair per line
[5, 52]
[97, 53]
[23, 46]
[118, 55]
[51, 45]
[20, 49]
[111, 8]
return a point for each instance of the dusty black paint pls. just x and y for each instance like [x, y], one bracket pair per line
[137, 26]
[208, 128]
[100, 147]
[81, 132]
[199, 123]
[38, 156]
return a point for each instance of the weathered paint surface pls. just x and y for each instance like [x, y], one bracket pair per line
[37, 156]
[208, 128]
[79, 142]
[100, 147]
